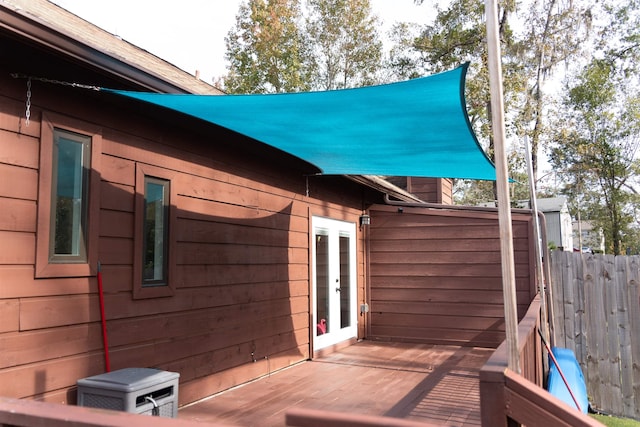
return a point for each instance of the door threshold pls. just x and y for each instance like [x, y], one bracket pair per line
[325, 351]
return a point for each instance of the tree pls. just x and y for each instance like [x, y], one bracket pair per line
[346, 44]
[596, 144]
[403, 61]
[469, 193]
[597, 132]
[555, 31]
[620, 37]
[458, 35]
[272, 49]
[266, 50]
[550, 33]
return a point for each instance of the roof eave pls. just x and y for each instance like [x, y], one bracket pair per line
[385, 187]
[50, 38]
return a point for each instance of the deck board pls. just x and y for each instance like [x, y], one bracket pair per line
[420, 382]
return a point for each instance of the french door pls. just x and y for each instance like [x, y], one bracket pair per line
[335, 281]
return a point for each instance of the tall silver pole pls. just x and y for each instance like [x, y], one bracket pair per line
[538, 246]
[502, 180]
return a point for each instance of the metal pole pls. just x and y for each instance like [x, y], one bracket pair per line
[564, 379]
[502, 181]
[103, 321]
[538, 246]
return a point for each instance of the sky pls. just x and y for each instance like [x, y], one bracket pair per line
[190, 33]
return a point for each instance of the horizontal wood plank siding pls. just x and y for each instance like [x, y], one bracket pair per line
[18, 149]
[24, 182]
[241, 306]
[431, 190]
[435, 275]
[17, 215]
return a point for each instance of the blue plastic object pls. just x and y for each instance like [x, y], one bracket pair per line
[418, 127]
[571, 369]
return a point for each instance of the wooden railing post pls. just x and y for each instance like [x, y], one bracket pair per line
[494, 406]
[492, 397]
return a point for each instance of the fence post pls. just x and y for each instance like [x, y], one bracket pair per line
[633, 294]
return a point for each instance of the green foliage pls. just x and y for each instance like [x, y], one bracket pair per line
[273, 49]
[346, 45]
[555, 33]
[616, 422]
[403, 62]
[596, 142]
[549, 33]
[266, 50]
[624, 28]
[470, 193]
[458, 35]
[596, 131]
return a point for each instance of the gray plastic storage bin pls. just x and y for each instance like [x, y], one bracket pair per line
[137, 390]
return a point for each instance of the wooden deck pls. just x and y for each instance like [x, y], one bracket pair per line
[434, 384]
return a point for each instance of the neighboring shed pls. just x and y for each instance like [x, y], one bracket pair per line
[558, 221]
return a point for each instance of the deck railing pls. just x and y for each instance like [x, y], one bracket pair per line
[301, 417]
[30, 413]
[508, 399]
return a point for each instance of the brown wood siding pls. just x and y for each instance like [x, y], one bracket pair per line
[435, 275]
[242, 249]
[430, 190]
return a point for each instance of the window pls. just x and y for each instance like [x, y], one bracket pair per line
[68, 198]
[156, 232]
[155, 221]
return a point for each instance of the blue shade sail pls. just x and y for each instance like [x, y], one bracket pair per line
[416, 128]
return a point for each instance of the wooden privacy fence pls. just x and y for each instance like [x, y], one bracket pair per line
[596, 310]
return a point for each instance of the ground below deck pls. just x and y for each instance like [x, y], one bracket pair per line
[436, 384]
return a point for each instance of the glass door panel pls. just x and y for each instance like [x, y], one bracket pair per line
[345, 282]
[335, 281]
[322, 281]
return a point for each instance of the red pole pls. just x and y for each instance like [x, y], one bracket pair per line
[555, 362]
[105, 342]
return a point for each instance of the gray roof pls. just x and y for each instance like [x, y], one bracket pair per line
[552, 204]
[51, 25]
